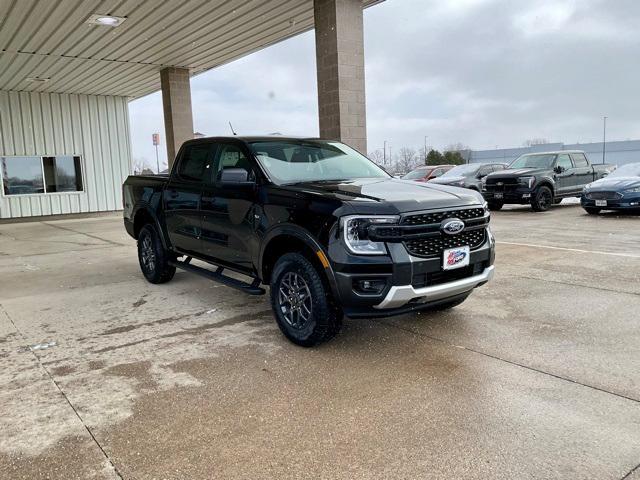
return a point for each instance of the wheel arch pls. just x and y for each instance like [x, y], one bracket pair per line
[290, 238]
[143, 216]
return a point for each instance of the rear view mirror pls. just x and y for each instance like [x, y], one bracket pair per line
[235, 176]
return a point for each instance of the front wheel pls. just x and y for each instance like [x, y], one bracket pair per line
[542, 199]
[592, 210]
[302, 303]
[153, 258]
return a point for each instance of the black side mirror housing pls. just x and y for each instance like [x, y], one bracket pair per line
[559, 169]
[235, 177]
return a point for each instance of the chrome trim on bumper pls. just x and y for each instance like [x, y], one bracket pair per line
[399, 295]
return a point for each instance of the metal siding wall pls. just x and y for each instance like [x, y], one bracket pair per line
[95, 127]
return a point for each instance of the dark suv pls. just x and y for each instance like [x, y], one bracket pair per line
[330, 232]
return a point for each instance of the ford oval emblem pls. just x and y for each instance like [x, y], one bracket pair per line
[451, 226]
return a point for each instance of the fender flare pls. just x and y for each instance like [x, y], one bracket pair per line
[146, 208]
[308, 239]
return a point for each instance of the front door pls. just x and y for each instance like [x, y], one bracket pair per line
[182, 197]
[228, 211]
[565, 182]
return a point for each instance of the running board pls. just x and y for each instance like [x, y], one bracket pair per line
[250, 288]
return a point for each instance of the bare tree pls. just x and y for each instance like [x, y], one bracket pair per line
[406, 159]
[456, 147]
[377, 156]
[138, 164]
[535, 141]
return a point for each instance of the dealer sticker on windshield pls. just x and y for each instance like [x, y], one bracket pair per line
[455, 258]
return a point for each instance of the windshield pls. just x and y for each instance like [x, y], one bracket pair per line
[628, 170]
[294, 161]
[544, 160]
[417, 173]
[461, 170]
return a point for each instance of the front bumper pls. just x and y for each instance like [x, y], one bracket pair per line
[511, 194]
[410, 283]
[627, 202]
[403, 294]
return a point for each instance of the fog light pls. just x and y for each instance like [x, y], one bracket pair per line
[369, 285]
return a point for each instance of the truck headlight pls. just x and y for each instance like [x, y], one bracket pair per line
[356, 236]
[526, 181]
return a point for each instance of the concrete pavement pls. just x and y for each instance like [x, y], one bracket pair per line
[537, 375]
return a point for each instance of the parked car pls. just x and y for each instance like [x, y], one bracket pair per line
[542, 179]
[326, 228]
[620, 190]
[427, 172]
[468, 176]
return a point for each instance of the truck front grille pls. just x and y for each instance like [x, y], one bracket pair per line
[434, 246]
[437, 217]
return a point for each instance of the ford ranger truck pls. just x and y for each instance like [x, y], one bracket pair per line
[542, 179]
[327, 230]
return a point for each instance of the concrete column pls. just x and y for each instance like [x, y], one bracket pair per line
[340, 64]
[176, 103]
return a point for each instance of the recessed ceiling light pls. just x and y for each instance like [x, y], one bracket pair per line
[105, 20]
[37, 79]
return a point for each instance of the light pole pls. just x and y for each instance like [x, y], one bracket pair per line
[604, 137]
[425, 149]
[384, 154]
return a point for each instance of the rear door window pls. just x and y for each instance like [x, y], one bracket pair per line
[579, 160]
[196, 159]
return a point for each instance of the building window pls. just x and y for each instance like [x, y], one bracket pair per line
[62, 174]
[41, 175]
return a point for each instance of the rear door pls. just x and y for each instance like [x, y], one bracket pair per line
[565, 181]
[228, 210]
[182, 197]
[584, 171]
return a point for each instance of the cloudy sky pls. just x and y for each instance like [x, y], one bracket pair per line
[485, 73]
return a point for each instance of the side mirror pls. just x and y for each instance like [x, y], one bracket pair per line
[235, 177]
[559, 169]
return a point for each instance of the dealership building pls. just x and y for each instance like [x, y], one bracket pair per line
[69, 68]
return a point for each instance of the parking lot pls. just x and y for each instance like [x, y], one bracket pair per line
[104, 375]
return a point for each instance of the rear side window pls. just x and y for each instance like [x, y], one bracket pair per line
[195, 159]
[579, 160]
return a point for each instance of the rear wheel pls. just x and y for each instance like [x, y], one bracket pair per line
[592, 210]
[542, 199]
[153, 258]
[302, 303]
[495, 205]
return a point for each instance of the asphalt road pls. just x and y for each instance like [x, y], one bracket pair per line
[537, 375]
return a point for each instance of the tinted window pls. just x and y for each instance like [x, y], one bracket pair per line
[418, 173]
[437, 172]
[497, 167]
[231, 156]
[579, 160]
[564, 161]
[194, 161]
[62, 174]
[22, 175]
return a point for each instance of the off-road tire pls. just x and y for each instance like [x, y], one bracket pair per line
[542, 199]
[158, 269]
[325, 318]
[592, 210]
[495, 205]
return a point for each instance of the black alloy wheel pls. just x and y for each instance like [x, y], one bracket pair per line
[542, 199]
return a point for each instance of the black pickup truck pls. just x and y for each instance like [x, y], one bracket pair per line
[329, 231]
[542, 179]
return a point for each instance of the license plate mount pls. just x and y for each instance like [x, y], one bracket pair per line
[498, 195]
[457, 257]
[601, 203]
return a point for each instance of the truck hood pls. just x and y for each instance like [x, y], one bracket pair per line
[518, 172]
[390, 196]
[615, 184]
